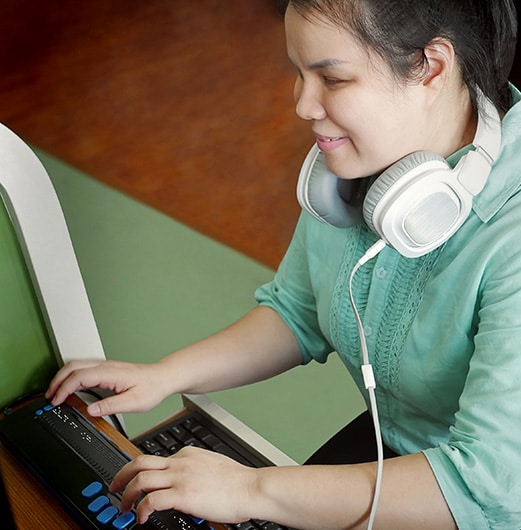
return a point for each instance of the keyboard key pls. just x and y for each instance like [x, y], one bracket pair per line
[153, 448]
[267, 525]
[93, 489]
[124, 521]
[199, 431]
[167, 441]
[193, 442]
[228, 451]
[181, 434]
[248, 525]
[212, 441]
[190, 424]
[107, 515]
[150, 446]
[98, 504]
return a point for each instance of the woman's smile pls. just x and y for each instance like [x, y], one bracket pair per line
[329, 143]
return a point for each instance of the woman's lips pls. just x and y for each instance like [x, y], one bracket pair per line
[328, 143]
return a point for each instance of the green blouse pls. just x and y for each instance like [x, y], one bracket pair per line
[443, 332]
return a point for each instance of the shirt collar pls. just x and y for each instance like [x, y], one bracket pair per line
[505, 178]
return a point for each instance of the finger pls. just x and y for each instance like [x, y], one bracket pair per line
[79, 379]
[160, 499]
[63, 373]
[116, 404]
[145, 483]
[62, 376]
[130, 470]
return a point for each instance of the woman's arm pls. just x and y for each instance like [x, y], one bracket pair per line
[216, 488]
[256, 347]
[339, 497]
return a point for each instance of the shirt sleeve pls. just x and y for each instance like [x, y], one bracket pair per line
[479, 468]
[292, 296]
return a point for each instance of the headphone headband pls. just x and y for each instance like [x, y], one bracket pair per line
[487, 138]
[487, 143]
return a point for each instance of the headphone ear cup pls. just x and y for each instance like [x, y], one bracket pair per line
[322, 194]
[383, 185]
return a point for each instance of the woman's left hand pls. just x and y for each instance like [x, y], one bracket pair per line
[194, 481]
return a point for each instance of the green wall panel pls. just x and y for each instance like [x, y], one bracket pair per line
[26, 357]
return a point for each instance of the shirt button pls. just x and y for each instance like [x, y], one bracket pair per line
[381, 273]
[368, 331]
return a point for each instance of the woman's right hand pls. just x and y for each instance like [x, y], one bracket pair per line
[136, 387]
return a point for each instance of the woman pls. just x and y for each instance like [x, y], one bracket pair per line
[377, 81]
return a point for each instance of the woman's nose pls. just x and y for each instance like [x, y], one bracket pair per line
[307, 102]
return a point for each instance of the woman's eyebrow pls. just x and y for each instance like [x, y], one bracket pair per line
[326, 63]
[319, 65]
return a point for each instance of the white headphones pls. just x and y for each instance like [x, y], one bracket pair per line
[416, 204]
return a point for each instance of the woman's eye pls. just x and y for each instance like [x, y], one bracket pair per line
[332, 81]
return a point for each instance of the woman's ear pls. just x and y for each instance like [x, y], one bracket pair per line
[441, 63]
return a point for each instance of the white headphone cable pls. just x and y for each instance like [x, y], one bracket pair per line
[369, 380]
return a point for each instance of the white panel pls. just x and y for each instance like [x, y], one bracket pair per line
[38, 220]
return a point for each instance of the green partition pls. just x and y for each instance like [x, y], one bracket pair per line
[26, 356]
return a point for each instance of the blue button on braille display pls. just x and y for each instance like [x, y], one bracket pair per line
[92, 489]
[196, 520]
[124, 521]
[98, 504]
[48, 407]
[107, 515]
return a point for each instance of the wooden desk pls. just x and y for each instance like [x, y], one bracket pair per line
[32, 505]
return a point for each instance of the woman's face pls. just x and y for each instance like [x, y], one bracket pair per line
[362, 118]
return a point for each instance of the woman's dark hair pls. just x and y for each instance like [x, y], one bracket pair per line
[483, 34]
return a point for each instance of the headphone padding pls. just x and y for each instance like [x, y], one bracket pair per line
[318, 193]
[391, 175]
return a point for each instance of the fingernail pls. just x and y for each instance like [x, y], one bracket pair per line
[93, 409]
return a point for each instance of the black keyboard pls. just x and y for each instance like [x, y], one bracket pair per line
[195, 429]
[77, 462]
